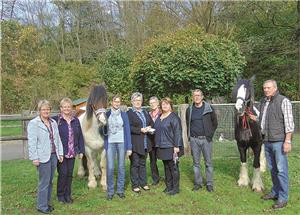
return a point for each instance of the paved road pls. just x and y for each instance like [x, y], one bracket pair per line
[11, 150]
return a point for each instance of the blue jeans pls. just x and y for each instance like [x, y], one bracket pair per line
[46, 173]
[199, 146]
[112, 150]
[278, 165]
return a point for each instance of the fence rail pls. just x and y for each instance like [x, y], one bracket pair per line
[224, 135]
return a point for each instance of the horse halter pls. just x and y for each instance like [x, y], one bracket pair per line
[99, 111]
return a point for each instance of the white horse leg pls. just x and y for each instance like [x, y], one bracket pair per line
[92, 183]
[262, 158]
[97, 167]
[81, 171]
[244, 178]
[103, 170]
[257, 184]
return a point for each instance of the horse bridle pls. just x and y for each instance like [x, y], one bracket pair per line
[245, 102]
[98, 111]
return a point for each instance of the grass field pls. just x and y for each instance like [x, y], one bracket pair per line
[11, 131]
[19, 182]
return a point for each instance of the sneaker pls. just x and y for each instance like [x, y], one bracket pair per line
[197, 187]
[109, 197]
[209, 188]
[121, 195]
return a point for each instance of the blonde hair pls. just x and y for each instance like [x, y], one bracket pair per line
[42, 103]
[65, 100]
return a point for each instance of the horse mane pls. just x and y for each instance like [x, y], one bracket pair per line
[97, 99]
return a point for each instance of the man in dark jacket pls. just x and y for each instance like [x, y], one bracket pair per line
[201, 125]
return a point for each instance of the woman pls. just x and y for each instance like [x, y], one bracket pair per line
[140, 125]
[45, 148]
[118, 141]
[169, 143]
[73, 144]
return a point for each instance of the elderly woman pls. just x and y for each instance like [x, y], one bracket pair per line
[45, 148]
[73, 144]
[117, 142]
[169, 143]
[140, 123]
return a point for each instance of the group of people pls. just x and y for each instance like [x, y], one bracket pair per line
[137, 133]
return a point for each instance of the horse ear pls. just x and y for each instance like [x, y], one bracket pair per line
[252, 79]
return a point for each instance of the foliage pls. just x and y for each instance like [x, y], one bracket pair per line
[189, 59]
[114, 69]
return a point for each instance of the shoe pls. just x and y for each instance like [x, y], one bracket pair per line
[269, 197]
[155, 183]
[146, 188]
[69, 200]
[279, 205]
[136, 190]
[172, 192]
[44, 212]
[121, 195]
[109, 197]
[62, 200]
[209, 188]
[51, 208]
[197, 187]
[166, 190]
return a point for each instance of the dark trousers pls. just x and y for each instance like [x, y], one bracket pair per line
[64, 180]
[153, 165]
[172, 175]
[138, 173]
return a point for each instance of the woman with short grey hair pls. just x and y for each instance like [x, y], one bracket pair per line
[45, 148]
[140, 123]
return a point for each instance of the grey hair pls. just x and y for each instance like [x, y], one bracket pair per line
[136, 95]
[154, 98]
[66, 100]
[42, 103]
[271, 81]
[199, 91]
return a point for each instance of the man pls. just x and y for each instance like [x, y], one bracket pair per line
[201, 125]
[154, 113]
[276, 120]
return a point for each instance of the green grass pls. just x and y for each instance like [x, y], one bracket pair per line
[19, 183]
[10, 131]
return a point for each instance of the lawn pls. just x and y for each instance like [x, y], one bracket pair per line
[19, 182]
[10, 128]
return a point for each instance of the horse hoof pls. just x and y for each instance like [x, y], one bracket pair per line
[92, 184]
[257, 190]
[104, 187]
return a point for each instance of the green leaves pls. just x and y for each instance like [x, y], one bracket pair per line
[174, 64]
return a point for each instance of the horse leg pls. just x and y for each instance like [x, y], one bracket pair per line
[97, 167]
[243, 177]
[103, 170]
[262, 159]
[81, 171]
[92, 183]
[257, 184]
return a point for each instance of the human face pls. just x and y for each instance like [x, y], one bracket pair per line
[197, 98]
[137, 103]
[45, 112]
[116, 103]
[153, 104]
[66, 109]
[269, 89]
[166, 107]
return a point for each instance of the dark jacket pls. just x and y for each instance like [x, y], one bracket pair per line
[210, 121]
[168, 132]
[127, 134]
[137, 137]
[64, 134]
[274, 125]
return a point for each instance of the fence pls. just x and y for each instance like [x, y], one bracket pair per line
[223, 146]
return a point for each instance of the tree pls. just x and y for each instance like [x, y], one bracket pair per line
[176, 63]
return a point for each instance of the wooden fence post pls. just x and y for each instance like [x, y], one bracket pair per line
[25, 113]
[182, 109]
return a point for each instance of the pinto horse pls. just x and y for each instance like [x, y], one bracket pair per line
[247, 133]
[92, 123]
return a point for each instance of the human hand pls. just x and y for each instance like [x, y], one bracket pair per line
[144, 130]
[176, 149]
[61, 158]
[287, 147]
[80, 156]
[36, 163]
[253, 117]
[129, 152]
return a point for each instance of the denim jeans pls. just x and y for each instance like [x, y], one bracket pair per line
[46, 174]
[113, 150]
[278, 165]
[199, 146]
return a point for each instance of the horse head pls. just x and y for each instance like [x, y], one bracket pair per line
[243, 95]
[96, 105]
